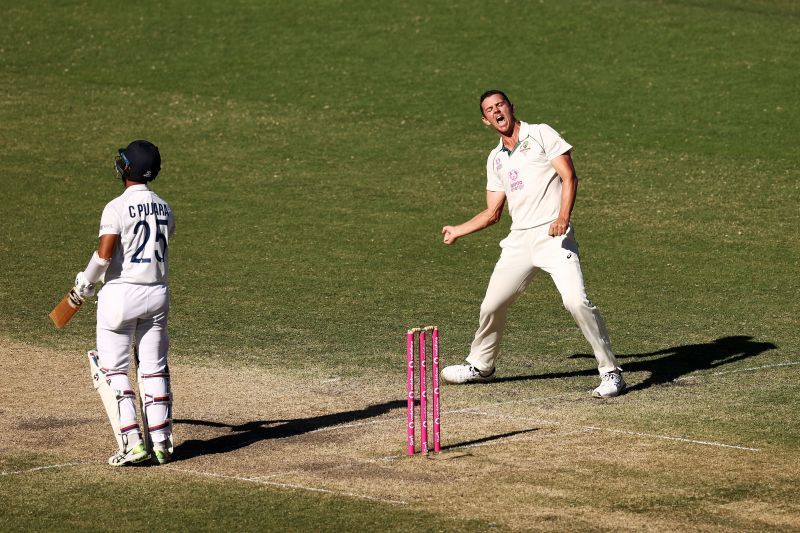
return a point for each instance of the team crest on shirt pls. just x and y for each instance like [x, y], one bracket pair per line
[498, 164]
[526, 145]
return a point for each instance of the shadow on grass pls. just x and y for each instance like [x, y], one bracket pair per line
[242, 435]
[671, 363]
[478, 442]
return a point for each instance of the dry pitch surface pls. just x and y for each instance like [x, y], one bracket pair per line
[515, 458]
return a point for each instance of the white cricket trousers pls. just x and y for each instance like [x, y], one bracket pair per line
[524, 253]
[124, 312]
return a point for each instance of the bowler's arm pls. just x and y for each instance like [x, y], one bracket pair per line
[569, 188]
[495, 201]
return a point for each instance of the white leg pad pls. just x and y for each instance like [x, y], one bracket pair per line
[156, 391]
[111, 399]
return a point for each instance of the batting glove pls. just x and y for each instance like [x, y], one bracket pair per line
[83, 287]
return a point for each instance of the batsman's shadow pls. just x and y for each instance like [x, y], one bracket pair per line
[242, 435]
[667, 365]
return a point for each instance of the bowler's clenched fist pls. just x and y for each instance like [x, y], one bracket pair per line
[558, 228]
[449, 235]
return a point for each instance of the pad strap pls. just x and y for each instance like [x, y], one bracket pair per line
[163, 399]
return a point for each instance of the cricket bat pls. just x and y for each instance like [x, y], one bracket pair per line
[66, 308]
[142, 401]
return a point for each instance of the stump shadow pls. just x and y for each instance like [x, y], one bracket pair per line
[484, 440]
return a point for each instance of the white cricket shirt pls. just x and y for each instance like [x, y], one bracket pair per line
[531, 184]
[144, 223]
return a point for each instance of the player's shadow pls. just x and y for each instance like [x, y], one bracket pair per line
[672, 363]
[242, 435]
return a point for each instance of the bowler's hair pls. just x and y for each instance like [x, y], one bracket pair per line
[491, 92]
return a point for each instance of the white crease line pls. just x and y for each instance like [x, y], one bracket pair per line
[652, 435]
[754, 368]
[39, 468]
[259, 481]
[680, 439]
[287, 485]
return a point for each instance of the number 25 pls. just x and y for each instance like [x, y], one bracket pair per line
[160, 237]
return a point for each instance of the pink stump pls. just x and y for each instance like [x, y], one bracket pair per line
[437, 428]
[423, 396]
[410, 390]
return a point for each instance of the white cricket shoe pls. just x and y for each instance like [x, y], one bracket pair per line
[137, 454]
[611, 384]
[466, 373]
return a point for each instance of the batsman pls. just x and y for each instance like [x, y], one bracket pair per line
[132, 261]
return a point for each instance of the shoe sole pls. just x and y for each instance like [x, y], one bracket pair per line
[477, 379]
[598, 395]
[467, 382]
[483, 379]
[134, 461]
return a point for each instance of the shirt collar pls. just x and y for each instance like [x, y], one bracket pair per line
[138, 187]
[523, 130]
[523, 134]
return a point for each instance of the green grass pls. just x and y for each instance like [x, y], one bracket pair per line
[185, 503]
[313, 150]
